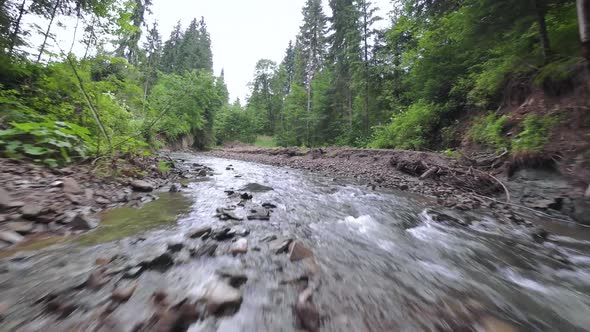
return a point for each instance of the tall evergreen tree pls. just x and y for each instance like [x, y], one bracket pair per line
[171, 51]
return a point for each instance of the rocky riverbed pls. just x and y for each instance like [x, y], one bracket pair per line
[263, 248]
[36, 202]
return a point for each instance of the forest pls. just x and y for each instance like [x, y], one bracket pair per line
[342, 80]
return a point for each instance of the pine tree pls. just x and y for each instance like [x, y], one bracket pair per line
[345, 53]
[312, 42]
[128, 47]
[171, 51]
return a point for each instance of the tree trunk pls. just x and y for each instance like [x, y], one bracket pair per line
[308, 112]
[584, 24]
[543, 35]
[14, 36]
[53, 12]
[366, 74]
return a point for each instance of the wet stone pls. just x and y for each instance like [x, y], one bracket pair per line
[259, 214]
[255, 187]
[223, 234]
[239, 247]
[199, 232]
[207, 249]
[269, 206]
[160, 263]
[280, 246]
[222, 299]
[298, 251]
[235, 277]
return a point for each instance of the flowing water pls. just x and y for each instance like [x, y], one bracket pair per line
[383, 264]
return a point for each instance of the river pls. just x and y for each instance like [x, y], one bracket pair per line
[382, 263]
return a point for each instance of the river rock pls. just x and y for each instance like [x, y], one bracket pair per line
[102, 201]
[70, 186]
[123, 294]
[280, 246]
[142, 186]
[161, 263]
[269, 206]
[11, 237]
[239, 247]
[307, 312]
[258, 214]
[234, 276]
[223, 234]
[582, 210]
[21, 227]
[587, 194]
[197, 233]
[298, 251]
[31, 211]
[207, 249]
[83, 222]
[3, 310]
[492, 324]
[226, 213]
[222, 299]
[246, 196]
[5, 199]
[255, 187]
[202, 173]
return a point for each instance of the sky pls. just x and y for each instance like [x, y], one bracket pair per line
[242, 31]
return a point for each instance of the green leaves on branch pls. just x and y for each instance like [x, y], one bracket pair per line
[50, 142]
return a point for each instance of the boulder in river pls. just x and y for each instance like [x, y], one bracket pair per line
[222, 299]
[256, 187]
[142, 186]
[298, 251]
[207, 249]
[280, 246]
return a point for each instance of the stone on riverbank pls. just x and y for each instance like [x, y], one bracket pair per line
[222, 299]
[142, 186]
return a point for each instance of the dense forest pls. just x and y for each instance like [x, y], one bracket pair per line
[342, 81]
[407, 86]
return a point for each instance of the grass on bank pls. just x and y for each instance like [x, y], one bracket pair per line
[265, 142]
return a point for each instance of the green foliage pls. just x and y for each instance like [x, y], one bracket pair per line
[232, 124]
[488, 130]
[50, 142]
[163, 166]
[409, 130]
[558, 72]
[535, 133]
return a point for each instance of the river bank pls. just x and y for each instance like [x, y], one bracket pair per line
[37, 201]
[490, 182]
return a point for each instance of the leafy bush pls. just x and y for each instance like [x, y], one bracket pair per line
[488, 130]
[409, 130]
[50, 142]
[534, 135]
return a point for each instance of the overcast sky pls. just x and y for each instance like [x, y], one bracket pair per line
[242, 31]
